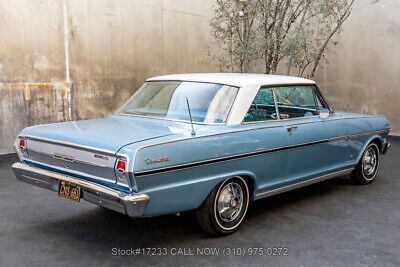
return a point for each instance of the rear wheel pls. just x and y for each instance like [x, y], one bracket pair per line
[225, 208]
[367, 168]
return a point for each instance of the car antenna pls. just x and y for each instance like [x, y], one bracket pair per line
[190, 115]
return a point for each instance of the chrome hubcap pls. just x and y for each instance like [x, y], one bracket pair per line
[370, 161]
[230, 202]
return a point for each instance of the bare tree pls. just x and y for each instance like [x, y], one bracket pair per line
[294, 31]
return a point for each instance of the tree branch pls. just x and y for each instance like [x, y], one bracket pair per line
[342, 19]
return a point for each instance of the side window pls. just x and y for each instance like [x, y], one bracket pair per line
[263, 107]
[295, 102]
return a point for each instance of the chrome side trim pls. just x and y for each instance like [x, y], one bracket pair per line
[233, 157]
[302, 184]
[70, 160]
[237, 156]
[352, 136]
[133, 205]
[245, 130]
[68, 144]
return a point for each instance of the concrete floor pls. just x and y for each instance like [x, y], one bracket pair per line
[332, 222]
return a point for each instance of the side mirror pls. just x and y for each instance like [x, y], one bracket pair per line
[324, 113]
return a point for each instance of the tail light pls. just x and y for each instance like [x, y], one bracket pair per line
[22, 145]
[20, 148]
[121, 166]
[121, 172]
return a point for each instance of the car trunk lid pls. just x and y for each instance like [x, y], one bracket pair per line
[89, 149]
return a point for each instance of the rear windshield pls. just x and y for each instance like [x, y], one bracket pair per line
[209, 102]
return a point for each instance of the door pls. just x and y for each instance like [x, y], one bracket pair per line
[267, 135]
[316, 146]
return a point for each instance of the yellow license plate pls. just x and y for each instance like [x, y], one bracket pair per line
[70, 191]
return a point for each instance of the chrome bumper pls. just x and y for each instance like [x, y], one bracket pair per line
[133, 205]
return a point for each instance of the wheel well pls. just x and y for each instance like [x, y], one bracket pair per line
[250, 184]
[378, 142]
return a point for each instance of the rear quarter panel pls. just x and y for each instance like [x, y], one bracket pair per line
[191, 171]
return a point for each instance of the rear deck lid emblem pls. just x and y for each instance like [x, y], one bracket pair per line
[100, 157]
[64, 157]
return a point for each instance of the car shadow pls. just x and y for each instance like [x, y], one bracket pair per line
[112, 229]
[317, 190]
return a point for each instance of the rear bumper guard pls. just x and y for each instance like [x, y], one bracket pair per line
[133, 205]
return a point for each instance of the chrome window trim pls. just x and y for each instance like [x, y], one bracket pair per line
[193, 81]
[318, 91]
[292, 119]
[175, 120]
[273, 87]
[278, 116]
[315, 100]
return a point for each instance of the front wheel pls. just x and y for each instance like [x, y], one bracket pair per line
[225, 208]
[367, 168]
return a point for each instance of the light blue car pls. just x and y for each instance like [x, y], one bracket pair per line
[204, 142]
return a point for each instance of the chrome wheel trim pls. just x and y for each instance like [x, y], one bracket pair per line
[370, 162]
[245, 204]
[230, 202]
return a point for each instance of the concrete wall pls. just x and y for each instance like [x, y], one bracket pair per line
[363, 74]
[114, 45]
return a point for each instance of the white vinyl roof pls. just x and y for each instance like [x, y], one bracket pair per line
[249, 85]
[234, 79]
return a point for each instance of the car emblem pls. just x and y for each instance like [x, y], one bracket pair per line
[100, 157]
[63, 157]
[150, 161]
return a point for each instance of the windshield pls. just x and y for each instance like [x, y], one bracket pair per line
[209, 103]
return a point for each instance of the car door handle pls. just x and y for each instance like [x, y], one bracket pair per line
[291, 128]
